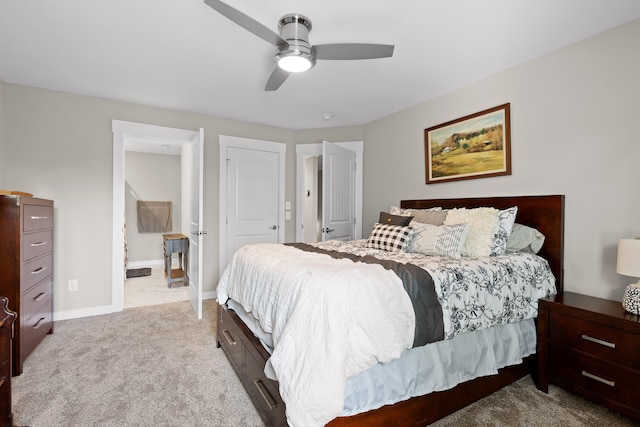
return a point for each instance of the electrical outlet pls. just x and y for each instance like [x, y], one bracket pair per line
[73, 285]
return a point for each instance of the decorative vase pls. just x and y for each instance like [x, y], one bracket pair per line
[631, 299]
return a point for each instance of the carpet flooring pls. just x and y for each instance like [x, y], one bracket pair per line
[159, 366]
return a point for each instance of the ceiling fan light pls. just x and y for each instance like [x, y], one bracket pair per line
[294, 63]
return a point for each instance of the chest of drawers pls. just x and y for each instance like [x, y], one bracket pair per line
[26, 267]
[590, 346]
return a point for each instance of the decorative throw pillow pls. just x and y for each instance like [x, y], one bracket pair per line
[387, 218]
[484, 225]
[435, 216]
[392, 238]
[525, 239]
[506, 219]
[442, 240]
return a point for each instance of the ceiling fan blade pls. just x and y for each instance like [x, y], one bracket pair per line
[246, 22]
[277, 77]
[353, 51]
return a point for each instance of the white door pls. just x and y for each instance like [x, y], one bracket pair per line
[195, 224]
[252, 198]
[338, 192]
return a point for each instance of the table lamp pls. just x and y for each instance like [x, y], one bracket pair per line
[629, 265]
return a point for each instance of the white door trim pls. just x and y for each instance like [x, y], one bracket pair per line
[304, 150]
[248, 144]
[122, 130]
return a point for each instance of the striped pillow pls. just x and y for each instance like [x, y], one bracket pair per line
[391, 238]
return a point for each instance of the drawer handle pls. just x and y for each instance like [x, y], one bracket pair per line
[39, 296]
[597, 341]
[39, 217]
[269, 400]
[599, 379]
[40, 322]
[2, 380]
[35, 245]
[38, 270]
[229, 338]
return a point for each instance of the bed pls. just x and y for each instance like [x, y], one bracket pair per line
[249, 355]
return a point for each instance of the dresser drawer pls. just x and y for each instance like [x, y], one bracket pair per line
[35, 296]
[37, 217]
[35, 328]
[35, 271]
[606, 379]
[36, 244]
[595, 338]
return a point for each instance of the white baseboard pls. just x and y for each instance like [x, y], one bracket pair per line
[138, 264]
[105, 309]
[82, 312]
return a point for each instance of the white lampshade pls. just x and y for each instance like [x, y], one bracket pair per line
[629, 257]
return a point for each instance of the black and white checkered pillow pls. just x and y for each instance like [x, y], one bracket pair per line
[392, 238]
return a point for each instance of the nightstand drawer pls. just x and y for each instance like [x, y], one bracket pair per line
[606, 379]
[595, 338]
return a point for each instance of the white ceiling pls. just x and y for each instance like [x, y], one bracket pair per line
[182, 55]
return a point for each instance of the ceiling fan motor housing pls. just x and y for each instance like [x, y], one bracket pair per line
[295, 28]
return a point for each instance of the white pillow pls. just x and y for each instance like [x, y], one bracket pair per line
[484, 225]
[442, 240]
[506, 219]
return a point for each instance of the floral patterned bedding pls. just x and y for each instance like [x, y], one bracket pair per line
[474, 292]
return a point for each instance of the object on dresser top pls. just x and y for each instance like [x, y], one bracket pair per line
[26, 279]
[589, 346]
[14, 193]
[629, 265]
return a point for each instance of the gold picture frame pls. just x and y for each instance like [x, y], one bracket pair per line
[474, 146]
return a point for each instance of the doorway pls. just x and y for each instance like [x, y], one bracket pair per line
[312, 202]
[130, 136]
[152, 173]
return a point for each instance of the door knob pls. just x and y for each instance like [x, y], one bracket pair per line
[274, 227]
[329, 230]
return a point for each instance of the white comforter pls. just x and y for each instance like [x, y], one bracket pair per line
[361, 316]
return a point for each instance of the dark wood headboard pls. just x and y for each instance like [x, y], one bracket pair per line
[545, 213]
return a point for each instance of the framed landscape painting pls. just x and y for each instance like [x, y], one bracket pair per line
[474, 146]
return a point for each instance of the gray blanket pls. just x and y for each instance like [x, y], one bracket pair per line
[419, 286]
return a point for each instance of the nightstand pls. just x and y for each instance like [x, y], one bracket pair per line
[591, 347]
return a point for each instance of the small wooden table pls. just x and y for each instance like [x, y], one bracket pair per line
[176, 243]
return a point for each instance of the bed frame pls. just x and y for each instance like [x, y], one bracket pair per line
[248, 356]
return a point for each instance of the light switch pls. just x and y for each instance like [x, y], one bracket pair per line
[287, 206]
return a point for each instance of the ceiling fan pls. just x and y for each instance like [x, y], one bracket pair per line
[294, 53]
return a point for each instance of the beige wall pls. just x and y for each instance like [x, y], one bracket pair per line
[574, 116]
[2, 135]
[151, 177]
[573, 119]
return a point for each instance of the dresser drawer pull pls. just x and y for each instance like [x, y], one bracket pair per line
[39, 296]
[39, 217]
[38, 270]
[2, 380]
[266, 396]
[599, 379]
[40, 322]
[229, 338]
[35, 245]
[597, 341]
